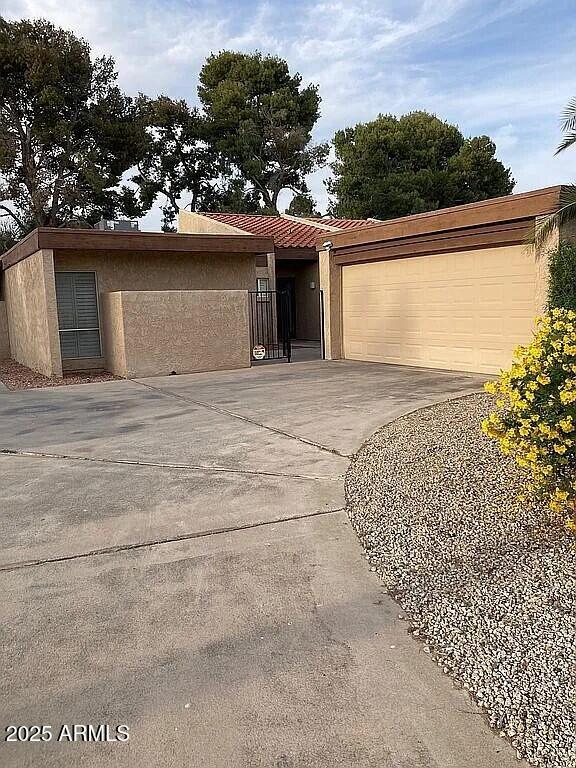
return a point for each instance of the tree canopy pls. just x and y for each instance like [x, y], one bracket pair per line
[398, 166]
[303, 205]
[181, 165]
[67, 132]
[69, 136]
[260, 119]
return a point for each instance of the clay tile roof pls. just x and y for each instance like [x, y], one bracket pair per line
[286, 232]
[346, 223]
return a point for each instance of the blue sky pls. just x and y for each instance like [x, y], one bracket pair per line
[501, 67]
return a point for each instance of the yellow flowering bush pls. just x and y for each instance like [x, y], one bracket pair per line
[535, 420]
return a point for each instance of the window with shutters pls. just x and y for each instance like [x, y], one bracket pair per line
[77, 301]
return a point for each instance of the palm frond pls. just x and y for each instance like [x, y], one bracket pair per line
[569, 116]
[565, 214]
[566, 142]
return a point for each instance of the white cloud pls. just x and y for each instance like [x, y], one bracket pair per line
[458, 58]
[505, 137]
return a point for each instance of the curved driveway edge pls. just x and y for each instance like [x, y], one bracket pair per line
[487, 584]
[264, 643]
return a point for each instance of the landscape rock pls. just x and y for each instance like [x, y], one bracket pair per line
[486, 582]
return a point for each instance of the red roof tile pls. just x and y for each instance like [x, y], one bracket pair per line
[346, 223]
[287, 233]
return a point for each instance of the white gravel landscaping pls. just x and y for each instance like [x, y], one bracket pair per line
[488, 584]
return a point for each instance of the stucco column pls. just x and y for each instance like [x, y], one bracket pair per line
[53, 329]
[271, 265]
[331, 285]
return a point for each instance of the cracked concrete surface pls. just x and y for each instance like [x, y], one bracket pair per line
[194, 576]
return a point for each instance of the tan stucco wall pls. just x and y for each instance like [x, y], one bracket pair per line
[32, 316]
[162, 271]
[152, 333]
[262, 272]
[112, 325]
[331, 284]
[4, 334]
[165, 271]
[196, 224]
[268, 271]
[271, 265]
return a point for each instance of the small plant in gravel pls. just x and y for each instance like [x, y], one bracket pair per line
[535, 420]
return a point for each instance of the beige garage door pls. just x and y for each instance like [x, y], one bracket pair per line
[463, 311]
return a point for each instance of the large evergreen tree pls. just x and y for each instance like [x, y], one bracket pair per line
[182, 167]
[398, 166]
[261, 121]
[67, 132]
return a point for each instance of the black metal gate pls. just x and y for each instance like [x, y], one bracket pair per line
[270, 325]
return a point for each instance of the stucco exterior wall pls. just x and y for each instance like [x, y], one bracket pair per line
[112, 334]
[268, 270]
[4, 335]
[196, 224]
[263, 272]
[157, 271]
[32, 316]
[331, 283]
[153, 333]
[162, 271]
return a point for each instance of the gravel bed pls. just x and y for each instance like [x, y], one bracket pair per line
[16, 376]
[488, 584]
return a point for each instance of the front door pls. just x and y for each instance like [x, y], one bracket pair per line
[288, 285]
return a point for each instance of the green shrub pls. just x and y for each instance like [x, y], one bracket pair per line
[562, 286]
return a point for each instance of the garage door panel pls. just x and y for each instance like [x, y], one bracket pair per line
[462, 311]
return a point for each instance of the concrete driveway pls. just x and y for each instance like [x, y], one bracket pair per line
[175, 557]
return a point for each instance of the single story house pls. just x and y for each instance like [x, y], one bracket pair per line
[456, 288]
[291, 266]
[135, 303]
